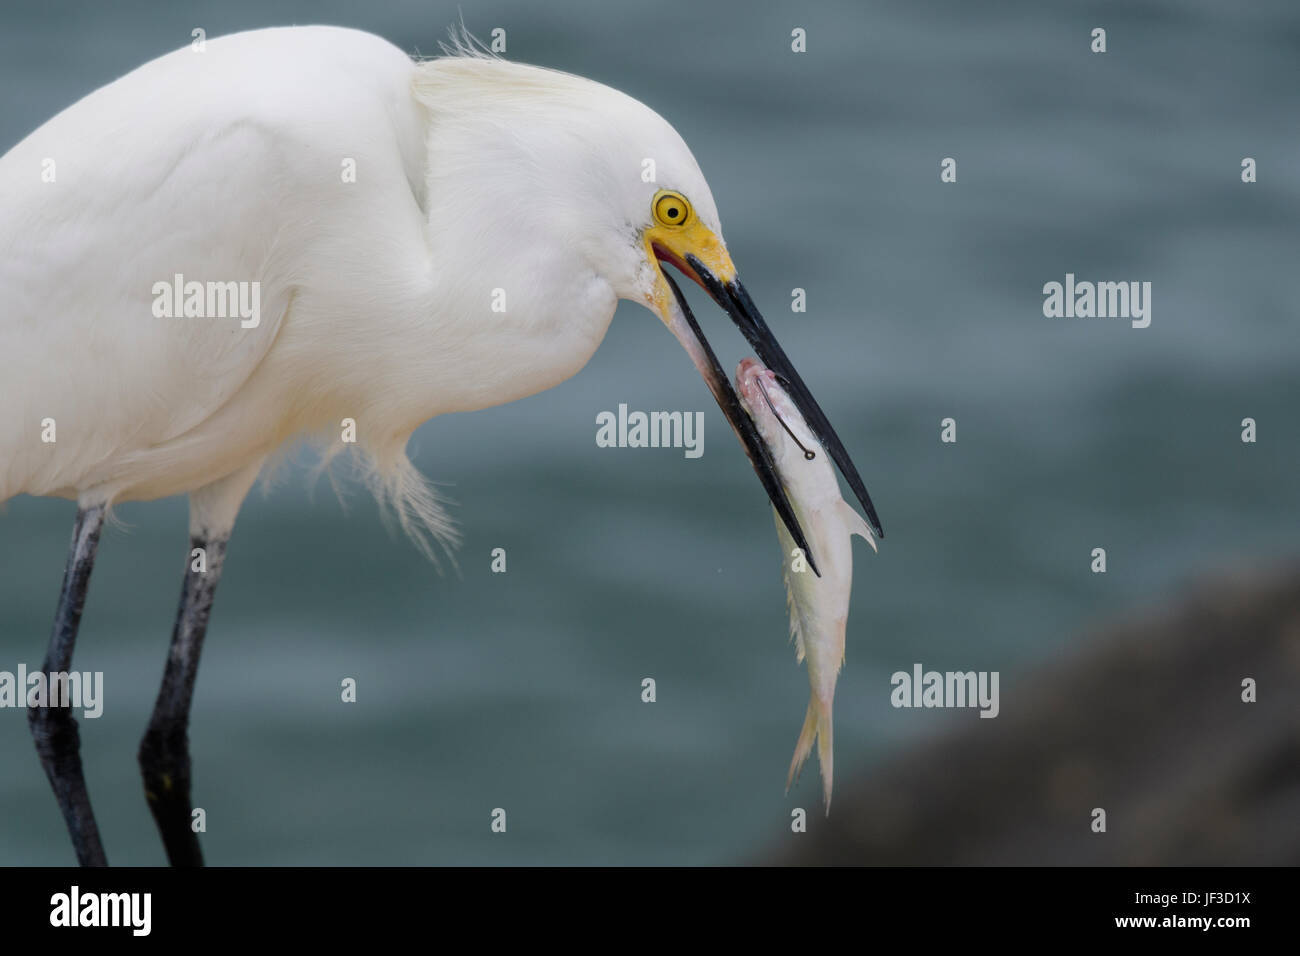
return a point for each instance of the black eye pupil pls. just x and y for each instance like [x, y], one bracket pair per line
[672, 212]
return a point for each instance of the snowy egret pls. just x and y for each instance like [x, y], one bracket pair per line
[261, 236]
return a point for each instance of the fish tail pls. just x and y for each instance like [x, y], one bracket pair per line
[825, 753]
[816, 726]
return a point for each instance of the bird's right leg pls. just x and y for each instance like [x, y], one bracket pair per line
[53, 728]
[165, 749]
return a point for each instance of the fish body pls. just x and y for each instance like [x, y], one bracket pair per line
[818, 604]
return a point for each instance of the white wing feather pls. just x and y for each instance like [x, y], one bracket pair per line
[207, 164]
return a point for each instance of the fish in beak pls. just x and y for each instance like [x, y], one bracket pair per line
[760, 456]
[736, 302]
[680, 238]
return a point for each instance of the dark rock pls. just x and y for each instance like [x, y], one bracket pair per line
[1148, 723]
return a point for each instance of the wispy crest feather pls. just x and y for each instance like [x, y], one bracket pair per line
[461, 43]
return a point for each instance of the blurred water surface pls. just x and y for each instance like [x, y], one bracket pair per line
[522, 690]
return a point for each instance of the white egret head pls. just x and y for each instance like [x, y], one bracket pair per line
[565, 160]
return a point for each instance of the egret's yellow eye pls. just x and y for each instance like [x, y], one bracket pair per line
[671, 208]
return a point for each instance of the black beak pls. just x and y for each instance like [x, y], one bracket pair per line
[759, 455]
[736, 302]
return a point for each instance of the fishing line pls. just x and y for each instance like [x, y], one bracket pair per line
[809, 455]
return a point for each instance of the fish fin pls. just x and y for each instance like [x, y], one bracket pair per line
[803, 746]
[856, 524]
[816, 726]
[796, 630]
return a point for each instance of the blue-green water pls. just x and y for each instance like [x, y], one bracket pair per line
[522, 690]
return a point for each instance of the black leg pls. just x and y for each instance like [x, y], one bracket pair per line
[165, 749]
[53, 728]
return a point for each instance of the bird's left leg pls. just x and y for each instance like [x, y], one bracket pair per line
[53, 727]
[165, 749]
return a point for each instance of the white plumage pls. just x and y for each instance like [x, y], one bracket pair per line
[472, 174]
